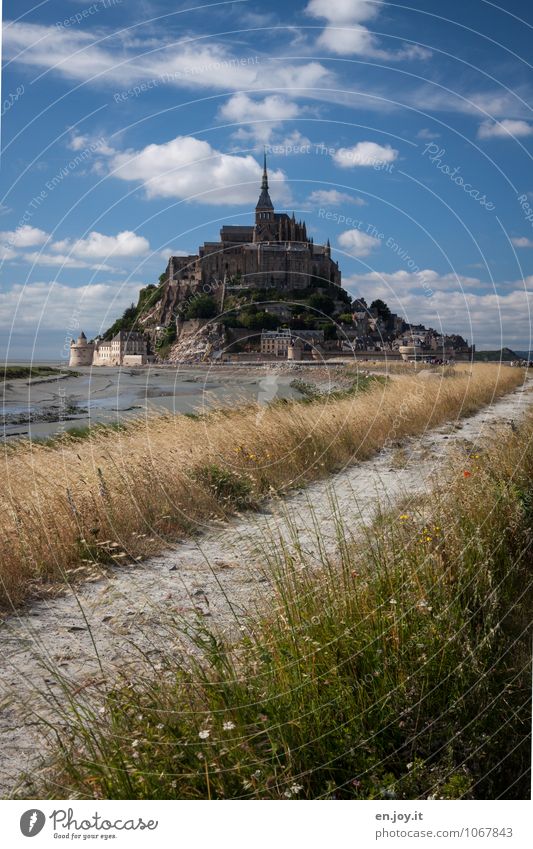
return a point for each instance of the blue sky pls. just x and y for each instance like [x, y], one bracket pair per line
[134, 129]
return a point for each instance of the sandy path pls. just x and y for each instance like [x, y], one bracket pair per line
[218, 575]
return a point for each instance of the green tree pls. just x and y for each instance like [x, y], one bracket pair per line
[330, 330]
[203, 306]
[382, 309]
[322, 303]
[259, 321]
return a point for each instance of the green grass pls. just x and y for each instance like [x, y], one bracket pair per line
[29, 372]
[311, 393]
[82, 432]
[230, 489]
[398, 669]
[502, 355]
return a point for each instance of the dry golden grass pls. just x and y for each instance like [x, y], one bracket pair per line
[398, 668]
[121, 495]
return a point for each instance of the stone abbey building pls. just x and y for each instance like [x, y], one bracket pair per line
[273, 253]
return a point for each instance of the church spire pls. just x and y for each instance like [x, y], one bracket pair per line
[264, 182]
[264, 202]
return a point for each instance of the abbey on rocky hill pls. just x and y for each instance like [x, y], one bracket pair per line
[275, 252]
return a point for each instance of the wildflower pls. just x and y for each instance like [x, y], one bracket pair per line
[393, 601]
[203, 735]
[295, 788]
[404, 516]
[228, 726]
[467, 474]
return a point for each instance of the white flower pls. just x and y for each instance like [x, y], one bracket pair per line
[228, 726]
[203, 735]
[295, 788]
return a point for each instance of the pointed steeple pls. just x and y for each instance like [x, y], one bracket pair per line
[264, 183]
[264, 201]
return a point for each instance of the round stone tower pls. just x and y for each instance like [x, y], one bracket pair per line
[81, 352]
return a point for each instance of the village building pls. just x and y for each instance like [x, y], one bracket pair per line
[278, 343]
[126, 348]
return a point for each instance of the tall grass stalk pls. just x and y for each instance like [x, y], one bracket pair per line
[73, 505]
[400, 668]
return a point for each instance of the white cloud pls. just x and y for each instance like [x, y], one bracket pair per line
[348, 41]
[344, 11]
[89, 142]
[263, 116]
[96, 245]
[522, 242]
[345, 35]
[71, 253]
[357, 243]
[167, 252]
[23, 237]
[505, 129]
[426, 280]
[332, 197]
[52, 306]
[63, 261]
[6, 253]
[126, 62]
[424, 133]
[294, 143]
[364, 155]
[191, 169]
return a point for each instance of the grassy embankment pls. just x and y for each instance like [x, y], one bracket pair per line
[31, 372]
[398, 669]
[116, 496]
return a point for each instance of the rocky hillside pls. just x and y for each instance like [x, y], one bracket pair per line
[197, 342]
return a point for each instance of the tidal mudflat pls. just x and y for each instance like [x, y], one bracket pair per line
[43, 407]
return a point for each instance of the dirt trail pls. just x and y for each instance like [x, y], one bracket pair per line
[218, 575]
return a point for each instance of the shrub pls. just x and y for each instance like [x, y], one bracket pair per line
[226, 486]
[202, 306]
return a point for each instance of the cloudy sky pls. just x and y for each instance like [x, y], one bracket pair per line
[133, 129]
